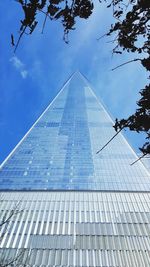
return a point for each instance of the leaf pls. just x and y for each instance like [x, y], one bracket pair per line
[109, 6]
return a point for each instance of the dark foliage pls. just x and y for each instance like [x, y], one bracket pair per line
[131, 33]
[140, 121]
[66, 11]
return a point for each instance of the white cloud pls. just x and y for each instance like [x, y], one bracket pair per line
[17, 63]
[24, 74]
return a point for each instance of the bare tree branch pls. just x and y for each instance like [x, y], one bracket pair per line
[138, 159]
[109, 141]
[133, 60]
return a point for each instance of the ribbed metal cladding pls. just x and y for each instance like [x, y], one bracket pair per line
[107, 229]
[72, 206]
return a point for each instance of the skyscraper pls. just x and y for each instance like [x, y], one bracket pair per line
[78, 208]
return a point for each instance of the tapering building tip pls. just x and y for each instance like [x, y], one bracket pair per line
[77, 71]
[78, 74]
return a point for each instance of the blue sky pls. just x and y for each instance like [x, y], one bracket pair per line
[31, 78]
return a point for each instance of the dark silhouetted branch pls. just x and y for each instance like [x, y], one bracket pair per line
[109, 141]
[19, 39]
[133, 60]
[138, 159]
[44, 23]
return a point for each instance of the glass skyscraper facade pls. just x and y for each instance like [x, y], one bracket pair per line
[59, 153]
[78, 208]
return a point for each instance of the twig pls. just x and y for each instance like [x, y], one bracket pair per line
[44, 23]
[109, 141]
[113, 51]
[133, 60]
[46, 13]
[11, 261]
[13, 212]
[101, 36]
[72, 6]
[112, 41]
[20, 36]
[138, 159]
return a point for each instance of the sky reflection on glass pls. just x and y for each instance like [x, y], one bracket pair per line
[59, 153]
